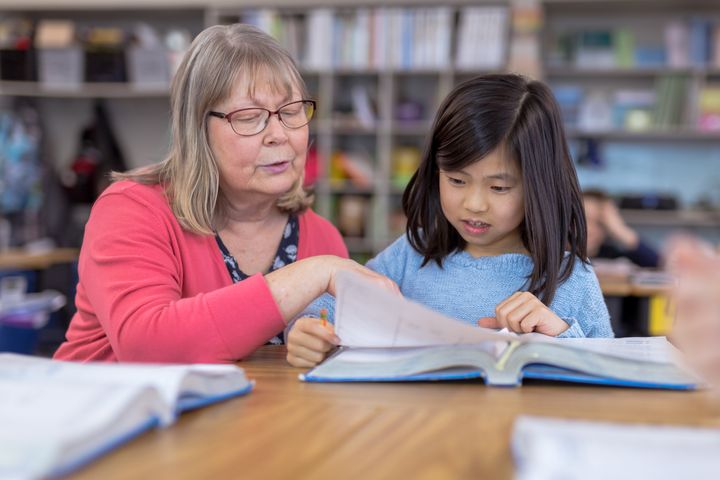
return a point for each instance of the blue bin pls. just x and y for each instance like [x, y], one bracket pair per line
[17, 339]
[21, 319]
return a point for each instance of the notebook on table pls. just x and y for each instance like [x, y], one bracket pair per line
[57, 416]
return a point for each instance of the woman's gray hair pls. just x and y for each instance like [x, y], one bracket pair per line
[218, 58]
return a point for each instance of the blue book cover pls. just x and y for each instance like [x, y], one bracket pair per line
[59, 416]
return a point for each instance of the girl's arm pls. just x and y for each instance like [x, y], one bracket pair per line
[581, 304]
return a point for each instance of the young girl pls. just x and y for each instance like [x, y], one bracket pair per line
[496, 229]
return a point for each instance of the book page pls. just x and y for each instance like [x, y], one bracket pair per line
[402, 362]
[48, 427]
[546, 448]
[172, 381]
[646, 349]
[369, 316]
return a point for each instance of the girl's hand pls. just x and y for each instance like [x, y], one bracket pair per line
[309, 341]
[523, 312]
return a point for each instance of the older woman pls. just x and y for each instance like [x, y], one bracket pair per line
[206, 255]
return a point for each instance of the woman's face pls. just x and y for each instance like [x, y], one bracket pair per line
[264, 165]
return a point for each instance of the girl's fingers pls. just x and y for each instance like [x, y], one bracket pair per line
[305, 355]
[489, 322]
[513, 310]
[529, 323]
[296, 361]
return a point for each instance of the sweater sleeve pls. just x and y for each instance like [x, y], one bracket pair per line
[392, 261]
[581, 304]
[132, 274]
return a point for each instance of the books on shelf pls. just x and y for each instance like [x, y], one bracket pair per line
[57, 416]
[405, 161]
[670, 107]
[386, 337]
[354, 166]
[709, 108]
[482, 38]
[552, 448]
[364, 38]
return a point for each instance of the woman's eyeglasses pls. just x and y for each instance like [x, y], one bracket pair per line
[251, 121]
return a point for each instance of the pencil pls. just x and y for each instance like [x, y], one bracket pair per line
[323, 316]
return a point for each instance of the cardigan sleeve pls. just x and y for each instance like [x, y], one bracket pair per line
[132, 275]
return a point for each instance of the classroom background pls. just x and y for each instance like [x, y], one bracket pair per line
[84, 90]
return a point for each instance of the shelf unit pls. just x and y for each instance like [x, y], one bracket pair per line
[387, 87]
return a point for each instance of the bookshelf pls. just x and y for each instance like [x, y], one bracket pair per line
[379, 71]
[639, 74]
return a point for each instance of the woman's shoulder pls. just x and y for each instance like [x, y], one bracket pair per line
[132, 199]
[318, 236]
[136, 191]
[314, 225]
[312, 219]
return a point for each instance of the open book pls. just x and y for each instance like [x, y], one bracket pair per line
[57, 416]
[386, 337]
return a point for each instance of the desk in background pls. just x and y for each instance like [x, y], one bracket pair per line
[18, 259]
[289, 429]
[53, 269]
[637, 301]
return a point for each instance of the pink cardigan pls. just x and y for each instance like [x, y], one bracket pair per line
[149, 291]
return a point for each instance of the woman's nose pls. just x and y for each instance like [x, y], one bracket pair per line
[275, 131]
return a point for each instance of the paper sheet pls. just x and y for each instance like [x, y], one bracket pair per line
[546, 448]
[368, 316]
[646, 349]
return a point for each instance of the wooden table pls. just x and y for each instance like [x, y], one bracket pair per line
[18, 259]
[289, 429]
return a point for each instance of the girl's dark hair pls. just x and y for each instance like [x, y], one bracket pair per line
[476, 118]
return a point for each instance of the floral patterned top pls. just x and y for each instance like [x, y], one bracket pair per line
[286, 254]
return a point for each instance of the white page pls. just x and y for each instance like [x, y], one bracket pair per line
[646, 349]
[549, 449]
[46, 425]
[169, 380]
[369, 316]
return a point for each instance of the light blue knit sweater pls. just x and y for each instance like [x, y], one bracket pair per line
[469, 288]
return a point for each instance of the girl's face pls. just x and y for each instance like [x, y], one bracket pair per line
[484, 202]
[265, 165]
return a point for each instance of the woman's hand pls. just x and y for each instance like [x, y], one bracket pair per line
[294, 286]
[309, 341]
[343, 264]
[523, 312]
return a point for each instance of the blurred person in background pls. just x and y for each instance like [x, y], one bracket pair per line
[609, 237]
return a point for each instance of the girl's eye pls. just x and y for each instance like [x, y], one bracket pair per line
[455, 181]
[499, 189]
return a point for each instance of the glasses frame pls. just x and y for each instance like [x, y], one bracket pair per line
[228, 116]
